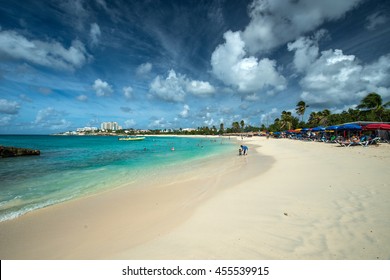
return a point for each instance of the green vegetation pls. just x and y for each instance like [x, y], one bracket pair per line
[371, 108]
[301, 109]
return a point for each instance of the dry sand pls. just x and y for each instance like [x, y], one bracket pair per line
[291, 200]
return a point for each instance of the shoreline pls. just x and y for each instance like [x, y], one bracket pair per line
[290, 200]
[120, 218]
[114, 177]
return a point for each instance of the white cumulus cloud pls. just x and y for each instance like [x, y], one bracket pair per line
[333, 78]
[159, 123]
[95, 33]
[6, 120]
[82, 97]
[175, 87]
[50, 54]
[102, 88]
[130, 123]
[246, 73]
[169, 89]
[52, 119]
[269, 117]
[144, 69]
[276, 22]
[209, 121]
[200, 88]
[186, 110]
[306, 51]
[128, 92]
[9, 107]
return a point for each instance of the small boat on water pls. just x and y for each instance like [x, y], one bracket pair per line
[133, 138]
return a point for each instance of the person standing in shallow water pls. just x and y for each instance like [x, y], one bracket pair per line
[244, 150]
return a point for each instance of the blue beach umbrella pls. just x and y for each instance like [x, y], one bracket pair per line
[332, 127]
[350, 126]
[318, 128]
[305, 129]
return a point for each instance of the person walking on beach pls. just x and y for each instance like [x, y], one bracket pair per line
[244, 150]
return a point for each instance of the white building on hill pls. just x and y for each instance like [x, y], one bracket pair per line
[110, 126]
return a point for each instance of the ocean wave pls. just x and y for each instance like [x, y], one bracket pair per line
[10, 215]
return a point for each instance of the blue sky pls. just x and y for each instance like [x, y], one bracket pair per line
[155, 64]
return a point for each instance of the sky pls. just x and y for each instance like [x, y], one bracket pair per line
[151, 64]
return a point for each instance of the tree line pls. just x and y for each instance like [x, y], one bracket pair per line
[371, 108]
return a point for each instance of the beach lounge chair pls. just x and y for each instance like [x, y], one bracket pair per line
[355, 143]
[350, 143]
[343, 143]
[373, 141]
[332, 139]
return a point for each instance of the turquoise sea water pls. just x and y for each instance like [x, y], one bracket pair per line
[73, 166]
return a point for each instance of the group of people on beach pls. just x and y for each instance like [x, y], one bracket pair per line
[243, 150]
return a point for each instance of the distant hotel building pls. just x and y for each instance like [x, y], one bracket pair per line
[86, 129]
[110, 126]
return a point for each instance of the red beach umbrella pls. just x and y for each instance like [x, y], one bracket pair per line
[375, 126]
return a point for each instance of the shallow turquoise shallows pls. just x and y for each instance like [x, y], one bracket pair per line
[74, 166]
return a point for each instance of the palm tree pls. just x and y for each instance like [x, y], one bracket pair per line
[286, 120]
[275, 126]
[315, 118]
[373, 104]
[372, 101]
[221, 128]
[319, 118]
[324, 117]
[301, 108]
[242, 123]
[236, 126]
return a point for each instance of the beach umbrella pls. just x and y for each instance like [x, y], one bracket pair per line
[332, 127]
[318, 128]
[375, 126]
[350, 126]
[305, 129]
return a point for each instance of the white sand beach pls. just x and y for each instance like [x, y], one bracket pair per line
[288, 200]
